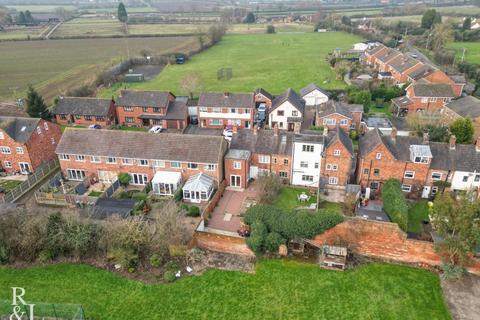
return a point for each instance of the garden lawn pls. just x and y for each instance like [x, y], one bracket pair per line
[287, 198]
[472, 53]
[279, 289]
[9, 184]
[416, 214]
[272, 61]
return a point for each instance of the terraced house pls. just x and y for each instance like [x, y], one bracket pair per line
[84, 111]
[25, 143]
[335, 113]
[167, 161]
[219, 110]
[151, 108]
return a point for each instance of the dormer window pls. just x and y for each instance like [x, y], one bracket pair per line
[378, 156]
[39, 131]
[421, 160]
[420, 154]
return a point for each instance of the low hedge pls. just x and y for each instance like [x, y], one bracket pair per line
[394, 203]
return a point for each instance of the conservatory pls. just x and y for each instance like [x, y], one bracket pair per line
[165, 183]
[198, 188]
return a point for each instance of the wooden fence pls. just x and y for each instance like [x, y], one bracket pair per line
[40, 173]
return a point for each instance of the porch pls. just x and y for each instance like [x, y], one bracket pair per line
[198, 188]
[166, 183]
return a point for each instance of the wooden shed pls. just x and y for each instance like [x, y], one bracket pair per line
[333, 257]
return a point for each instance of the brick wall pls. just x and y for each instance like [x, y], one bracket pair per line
[338, 118]
[343, 162]
[383, 240]
[243, 172]
[221, 243]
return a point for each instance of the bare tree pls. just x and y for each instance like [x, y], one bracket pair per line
[191, 84]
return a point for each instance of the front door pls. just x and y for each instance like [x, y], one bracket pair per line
[195, 196]
[291, 126]
[146, 122]
[426, 192]
[24, 168]
[235, 181]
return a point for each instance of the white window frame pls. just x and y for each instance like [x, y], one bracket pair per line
[2, 136]
[175, 166]
[209, 167]
[159, 163]
[95, 159]
[336, 152]
[344, 122]
[140, 176]
[329, 121]
[192, 166]
[111, 160]
[304, 164]
[39, 130]
[308, 148]
[378, 156]
[79, 158]
[263, 159]
[237, 165]
[64, 157]
[409, 174]
[79, 174]
[5, 150]
[143, 162]
[406, 187]
[333, 180]
[127, 161]
[45, 126]
[307, 178]
[422, 160]
[437, 173]
[19, 150]
[7, 164]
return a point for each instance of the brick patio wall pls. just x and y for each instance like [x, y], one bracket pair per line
[385, 241]
[221, 243]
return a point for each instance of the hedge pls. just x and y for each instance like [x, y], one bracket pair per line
[394, 203]
[282, 226]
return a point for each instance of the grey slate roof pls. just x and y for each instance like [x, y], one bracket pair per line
[375, 49]
[402, 102]
[310, 136]
[238, 154]
[458, 78]
[82, 106]
[403, 62]
[143, 98]
[311, 87]
[128, 144]
[438, 90]
[388, 55]
[420, 72]
[228, 100]
[177, 110]
[264, 93]
[264, 142]
[342, 136]
[291, 96]
[331, 107]
[18, 128]
[464, 157]
[466, 107]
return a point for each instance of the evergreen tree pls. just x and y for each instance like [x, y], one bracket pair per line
[36, 107]
[463, 130]
[430, 17]
[122, 13]
[250, 18]
[467, 23]
[21, 18]
[28, 17]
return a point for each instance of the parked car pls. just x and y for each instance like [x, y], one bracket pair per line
[194, 120]
[94, 126]
[228, 134]
[155, 129]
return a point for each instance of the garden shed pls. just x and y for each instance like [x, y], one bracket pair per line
[165, 183]
[198, 188]
[333, 257]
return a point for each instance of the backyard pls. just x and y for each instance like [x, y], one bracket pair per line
[272, 61]
[472, 52]
[417, 213]
[279, 289]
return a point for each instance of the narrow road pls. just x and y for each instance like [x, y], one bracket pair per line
[420, 56]
[47, 36]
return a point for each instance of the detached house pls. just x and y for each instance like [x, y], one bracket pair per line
[465, 107]
[151, 108]
[218, 110]
[256, 152]
[166, 161]
[287, 111]
[27, 142]
[334, 113]
[84, 111]
[423, 96]
[314, 95]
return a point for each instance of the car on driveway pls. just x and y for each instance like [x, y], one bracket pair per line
[94, 126]
[155, 129]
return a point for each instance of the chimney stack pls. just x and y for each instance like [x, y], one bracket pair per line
[452, 142]
[426, 139]
[255, 130]
[275, 130]
[393, 134]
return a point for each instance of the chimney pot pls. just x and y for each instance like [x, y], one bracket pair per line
[452, 142]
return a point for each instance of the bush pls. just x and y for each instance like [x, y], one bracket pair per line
[169, 276]
[178, 195]
[155, 260]
[273, 240]
[270, 29]
[4, 255]
[395, 204]
[451, 271]
[124, 178]
[193, 211]
[125, 257]
[139, 196]
[289, 225]
[45, 256]
[269, 187]
[172, 266]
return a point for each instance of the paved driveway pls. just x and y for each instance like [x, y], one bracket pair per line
[463, 297]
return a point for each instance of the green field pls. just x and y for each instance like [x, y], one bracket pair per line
[22, 33]
[278, 290]
[472, 53]
[40, 8]
[89, 27]
[274, 62]
[54, 66]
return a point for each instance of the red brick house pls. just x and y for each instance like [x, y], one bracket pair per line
[219, 110]
[151, 108]
[382, 61]
[337, 171]
[256, 152]
[101, 154]
[401, 66]
[404, 158]
[465, 107]
[370, 57]
[84, 111]
[263, 96]
[423, 96]
[333, 113]
[27, 142]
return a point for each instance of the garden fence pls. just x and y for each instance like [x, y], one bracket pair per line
[40, 173]
[49, 311]
[111, 190]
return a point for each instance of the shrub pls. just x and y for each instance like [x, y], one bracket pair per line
[178, 195]
[45, 256]
[257, 237]
[4, 255]
[155, 260]
[193, 211]
[139, 196]
[270, 29]
[451, 271]
[169, 276]
[269, 187]
[124, 178]
[125, 257]
[394, 203]
[273, 240]
[172, 266]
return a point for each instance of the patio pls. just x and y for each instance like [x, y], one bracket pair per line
[372, 211]
[227, 215]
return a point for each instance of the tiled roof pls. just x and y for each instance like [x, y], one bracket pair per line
[238, 154]
[264, 142]
[438, 90]
[82, 106]
[19, 129]
[342, 136]
[464, 157]
[128, 144]
[388, 55]
[420, 72]
[331, 107]
[375, 49]
[458, 78]
[291, 96]
[311, 87]
[264, 93]
[403, 63]
[143, 98]
[226, 100]
[310, 136]
[468, 106]
[402, 102]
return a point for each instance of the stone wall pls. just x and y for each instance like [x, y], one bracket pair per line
[385, 241]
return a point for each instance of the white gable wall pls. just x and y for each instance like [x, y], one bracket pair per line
[315, 98]
[288, 111]
[306, 163]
